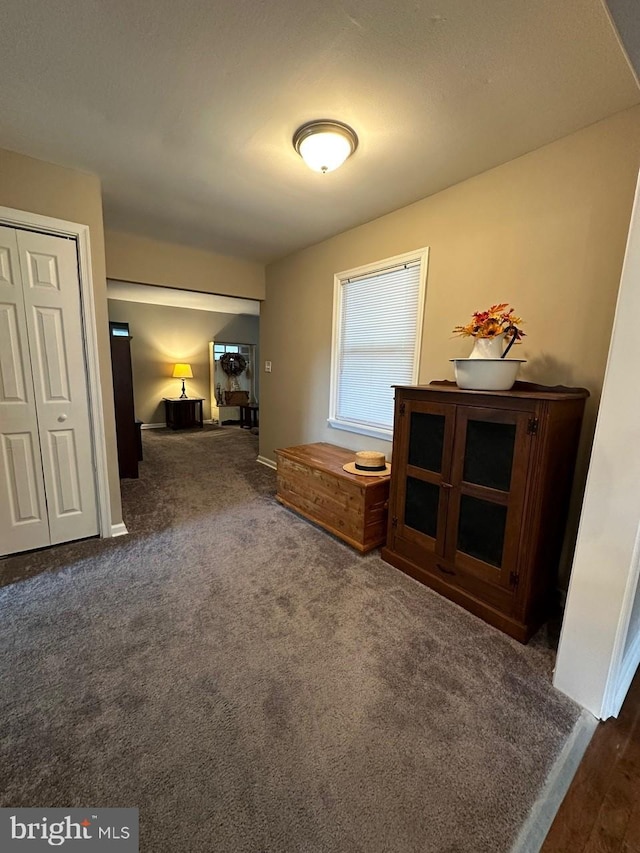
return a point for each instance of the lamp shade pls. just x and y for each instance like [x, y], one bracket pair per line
[182, 371]
[324, 145]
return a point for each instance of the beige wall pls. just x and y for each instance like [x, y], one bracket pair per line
[162, 336]
[545, 232]
[139, 259]
[39, 187]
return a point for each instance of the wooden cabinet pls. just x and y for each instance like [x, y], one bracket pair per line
[311, 481]
[479, 495]
[127, 430]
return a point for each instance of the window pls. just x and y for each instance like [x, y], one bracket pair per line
[377, 325]
[220, 349]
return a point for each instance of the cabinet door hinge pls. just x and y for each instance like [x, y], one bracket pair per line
[513, 579]
[402, 408]
[532, 426]
[394, 521]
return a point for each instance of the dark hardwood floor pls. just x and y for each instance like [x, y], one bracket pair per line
[601, 812]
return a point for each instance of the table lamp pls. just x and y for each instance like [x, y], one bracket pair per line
[182, 371]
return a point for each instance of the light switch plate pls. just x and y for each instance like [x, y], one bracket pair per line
[267, 367]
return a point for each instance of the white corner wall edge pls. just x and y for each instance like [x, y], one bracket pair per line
[591, 666]
[537, 825]
[119, 529]
[264, 461]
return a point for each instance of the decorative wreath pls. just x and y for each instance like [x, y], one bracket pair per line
[233, 363]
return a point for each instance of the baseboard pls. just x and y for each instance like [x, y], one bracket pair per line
[119, 529]
[537, 825]
[163, 426]
[264, 461]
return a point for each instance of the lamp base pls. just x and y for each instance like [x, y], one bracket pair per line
[183, 396]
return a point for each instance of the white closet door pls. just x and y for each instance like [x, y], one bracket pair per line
[23, 509]
[52, 304]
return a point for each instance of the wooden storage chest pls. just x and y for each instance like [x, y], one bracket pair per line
[311, 482]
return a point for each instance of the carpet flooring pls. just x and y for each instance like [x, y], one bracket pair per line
[252, 684]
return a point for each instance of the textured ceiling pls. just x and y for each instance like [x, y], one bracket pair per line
[186, 109]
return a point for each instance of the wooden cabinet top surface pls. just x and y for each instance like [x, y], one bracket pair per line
[521, 390]
[331, 458]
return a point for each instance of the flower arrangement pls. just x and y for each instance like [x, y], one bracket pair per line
[491, 323]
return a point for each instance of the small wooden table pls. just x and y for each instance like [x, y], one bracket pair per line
[249, 415]
[311, 481]
[183, 412]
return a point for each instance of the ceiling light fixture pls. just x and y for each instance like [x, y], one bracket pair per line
[324, 144]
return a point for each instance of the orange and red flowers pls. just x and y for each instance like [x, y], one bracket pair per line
[491, 323]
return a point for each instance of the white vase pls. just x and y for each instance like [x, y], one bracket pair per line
[488, 347]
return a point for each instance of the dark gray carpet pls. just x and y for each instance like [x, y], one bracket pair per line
[252, 684]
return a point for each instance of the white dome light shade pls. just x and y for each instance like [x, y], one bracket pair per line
[325, 145]
[324, 152]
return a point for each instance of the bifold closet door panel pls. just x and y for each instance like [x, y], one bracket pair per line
[51, 290]
[23, 509]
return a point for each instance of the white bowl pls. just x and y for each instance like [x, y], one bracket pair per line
[486, 374]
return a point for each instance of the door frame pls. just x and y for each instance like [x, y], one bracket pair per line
[62, 228]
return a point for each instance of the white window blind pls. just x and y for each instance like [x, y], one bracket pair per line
[378, 315]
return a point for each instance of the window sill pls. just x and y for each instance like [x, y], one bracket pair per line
[374, 432]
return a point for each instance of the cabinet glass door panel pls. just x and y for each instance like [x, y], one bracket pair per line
[422, 503]
[488, 454]
[491, 456]
[426, 440]
[422, 448]
[481, 529]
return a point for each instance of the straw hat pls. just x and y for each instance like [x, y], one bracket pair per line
[368, 463]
